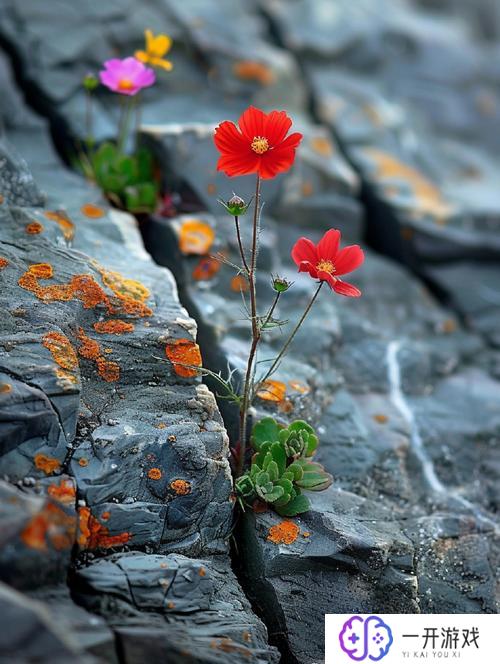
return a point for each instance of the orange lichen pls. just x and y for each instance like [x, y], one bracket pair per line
[202, 571]
[299, 387]
[108, 370]
[41, 270]
[113, 327]
[5, 388]
[105, 516]
[239, 283]
[322, 146]
[160, 425]
[34, 228]
[171, 605]
[91, 350]
[286, 406]
[64, 492]
[172, 438]
[61, 350]
[285, 532]
[381, 418]
[83, 462]
[154, 474]
[428, 198]
[81, 286]
[93, 535]
[184, 352]
[130, 293]
[48, 464]
[65, 376]
[196, 237]
[92, 211]
[251, 70]
[1, 199]
[3, 262]
[206, 269]
[448, 326]
[307, 188]
[51, 525]
[181, 487]
[65, 223]
[272, 390]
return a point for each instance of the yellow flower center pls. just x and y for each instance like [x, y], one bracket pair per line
[260, 144]
[325, 266]
[125, 84]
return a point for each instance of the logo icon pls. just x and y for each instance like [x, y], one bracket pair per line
[368, 638]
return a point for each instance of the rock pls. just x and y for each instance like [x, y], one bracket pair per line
[38, 532]
[192, 609]
[30, 634]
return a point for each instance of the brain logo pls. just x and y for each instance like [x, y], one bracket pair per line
[365, 639]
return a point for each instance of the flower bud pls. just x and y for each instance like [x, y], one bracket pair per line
[90, 82]
[235, 206]
[280, 284]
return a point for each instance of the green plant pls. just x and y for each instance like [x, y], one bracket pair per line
[127, 180]
[282, 467]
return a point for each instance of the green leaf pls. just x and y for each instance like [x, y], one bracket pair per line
[266, 430]
[272, 470]
[312, 444]
[295, 471]
[144, 160]
[286, 484]
[297, 425]
[297, 505]
[279, 456]
[262, 479]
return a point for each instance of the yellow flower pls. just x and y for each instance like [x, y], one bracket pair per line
[156, 48]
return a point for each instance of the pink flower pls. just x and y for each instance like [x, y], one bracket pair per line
[127, 76]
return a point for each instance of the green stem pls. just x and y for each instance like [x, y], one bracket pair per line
[138, 116]
[290, 338]
[88, 120]
[124, 124]
[255, 333]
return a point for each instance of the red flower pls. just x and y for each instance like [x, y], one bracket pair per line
[258, 145]
[325, 262]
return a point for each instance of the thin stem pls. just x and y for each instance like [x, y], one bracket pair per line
[271, 311]
[88, 119]
[124, 124]
[255, 333]
[290, 338]
[240, 245]
[138, 118]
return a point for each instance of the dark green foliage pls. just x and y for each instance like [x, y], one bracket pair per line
[282, 466]
[127, 180]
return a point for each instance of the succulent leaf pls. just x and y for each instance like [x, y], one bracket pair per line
[297, 505]
[266, 430]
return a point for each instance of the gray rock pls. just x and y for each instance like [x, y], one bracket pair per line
[192, 609]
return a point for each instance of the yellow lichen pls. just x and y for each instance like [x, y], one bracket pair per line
[196, 237]
[272, 390]
[61, 350]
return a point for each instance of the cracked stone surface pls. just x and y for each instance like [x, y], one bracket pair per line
[399, 108]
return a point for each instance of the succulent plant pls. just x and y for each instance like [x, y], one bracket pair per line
[281, 467]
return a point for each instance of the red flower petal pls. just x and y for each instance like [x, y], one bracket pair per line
[227, 138]
[252, 123]
[343, 288]
[306, 266]
[328, 246]
[276, 127]
[234, 165]
[304, 250]
[348, 259]
[326, 276]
